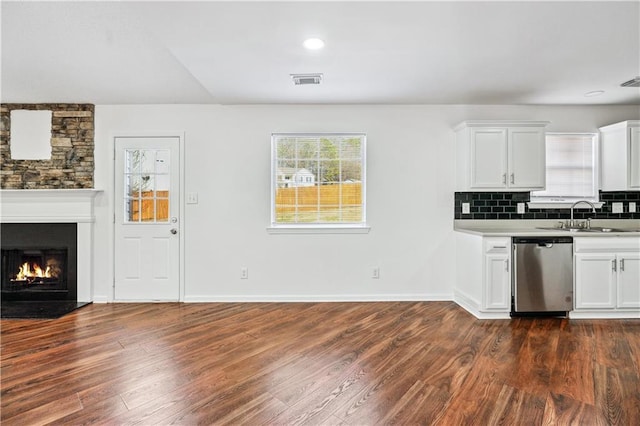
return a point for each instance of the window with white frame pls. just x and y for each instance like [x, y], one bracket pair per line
[318, 180]
[571, 169]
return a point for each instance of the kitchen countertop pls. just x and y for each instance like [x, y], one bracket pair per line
[530, 228]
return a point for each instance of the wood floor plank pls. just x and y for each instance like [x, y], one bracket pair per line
[63, 405]
[316, 363]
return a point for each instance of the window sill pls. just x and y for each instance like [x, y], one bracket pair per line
[319, 229]
[561, 205]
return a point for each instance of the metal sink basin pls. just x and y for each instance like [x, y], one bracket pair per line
[593, 229]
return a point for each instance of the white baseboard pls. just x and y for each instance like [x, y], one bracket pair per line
[473, 307]
[604, 315]
[322, 298]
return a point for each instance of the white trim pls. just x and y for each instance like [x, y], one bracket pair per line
[322, 298]
[181, 135]
[500, 123]
[560, 204]
[471, 305]
[48, 205]
[313, 226]
[68, 206]
[631, 314]
[318, 229]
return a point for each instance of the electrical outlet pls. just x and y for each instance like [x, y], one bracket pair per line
[520, 208]
[244, 273]
[375, 273]
[632, 207]
[466, 208]
[616, 207]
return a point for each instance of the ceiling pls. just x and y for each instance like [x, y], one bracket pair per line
[376, 52]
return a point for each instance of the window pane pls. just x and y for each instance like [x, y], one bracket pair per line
[147, 182]
[286, 148]
[350, 149]
[318, 179]
[132, 207]
[162, 210]
[147, 161]
[163, 161]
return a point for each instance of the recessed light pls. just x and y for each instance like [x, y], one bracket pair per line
[594, 93]
[313, 43]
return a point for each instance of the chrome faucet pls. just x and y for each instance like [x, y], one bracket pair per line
[572, 223]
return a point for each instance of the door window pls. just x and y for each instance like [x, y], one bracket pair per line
[147, 182]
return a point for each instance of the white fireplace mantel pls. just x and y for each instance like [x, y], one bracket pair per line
[47, 205]
[57, 206]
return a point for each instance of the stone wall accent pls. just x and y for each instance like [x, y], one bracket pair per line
[72, 150]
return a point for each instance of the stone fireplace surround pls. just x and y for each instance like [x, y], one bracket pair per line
[57, 206]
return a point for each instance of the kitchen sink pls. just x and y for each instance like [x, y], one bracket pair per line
[593, 229]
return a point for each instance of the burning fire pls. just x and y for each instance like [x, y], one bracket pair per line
[33, 271]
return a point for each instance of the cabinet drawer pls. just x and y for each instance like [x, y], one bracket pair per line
[497, 245]
[606, 244]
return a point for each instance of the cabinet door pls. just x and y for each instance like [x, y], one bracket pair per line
[629, 280]
[634, 157]
[595, 279]
[526, 158]
[488, 158]
[613, 158]
[497, 283]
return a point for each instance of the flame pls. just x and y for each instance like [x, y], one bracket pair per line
[26, 271]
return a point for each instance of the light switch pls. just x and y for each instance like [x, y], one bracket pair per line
[466, 208]
[192, 198]
[520, 208]
[632, 207]
[616, 207]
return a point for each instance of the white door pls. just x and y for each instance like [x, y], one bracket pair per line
[147, 244]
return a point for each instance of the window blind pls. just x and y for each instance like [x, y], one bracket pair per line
[571, 171]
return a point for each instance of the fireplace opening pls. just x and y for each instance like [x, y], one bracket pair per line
[35, 270]
[39, 261]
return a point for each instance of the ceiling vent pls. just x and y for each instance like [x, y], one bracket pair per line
[300, 79]
[635, 82]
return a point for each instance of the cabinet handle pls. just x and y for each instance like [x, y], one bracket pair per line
[506, 265]
[504, 178]
[621, 265]
[513, 180]
[613, 265]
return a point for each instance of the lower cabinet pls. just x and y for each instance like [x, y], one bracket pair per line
[497, 275]
[607, 274]
[483, 275]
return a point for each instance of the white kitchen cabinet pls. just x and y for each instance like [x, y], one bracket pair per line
[620, 156]
[607, 274]
[595, 281]
[497, 274]
[628, 281]
[500, 155]
[483, 275]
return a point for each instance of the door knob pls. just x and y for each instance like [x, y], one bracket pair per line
[174, 231]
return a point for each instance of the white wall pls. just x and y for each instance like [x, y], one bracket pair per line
[410, 184]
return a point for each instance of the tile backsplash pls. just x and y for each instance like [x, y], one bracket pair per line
[503, 205]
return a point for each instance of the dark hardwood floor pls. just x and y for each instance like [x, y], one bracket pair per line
[316, 363]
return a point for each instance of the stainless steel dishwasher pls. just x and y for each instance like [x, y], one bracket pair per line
[542, 276]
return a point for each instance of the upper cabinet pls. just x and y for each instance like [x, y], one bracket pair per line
[620, 156]
[500, 155]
